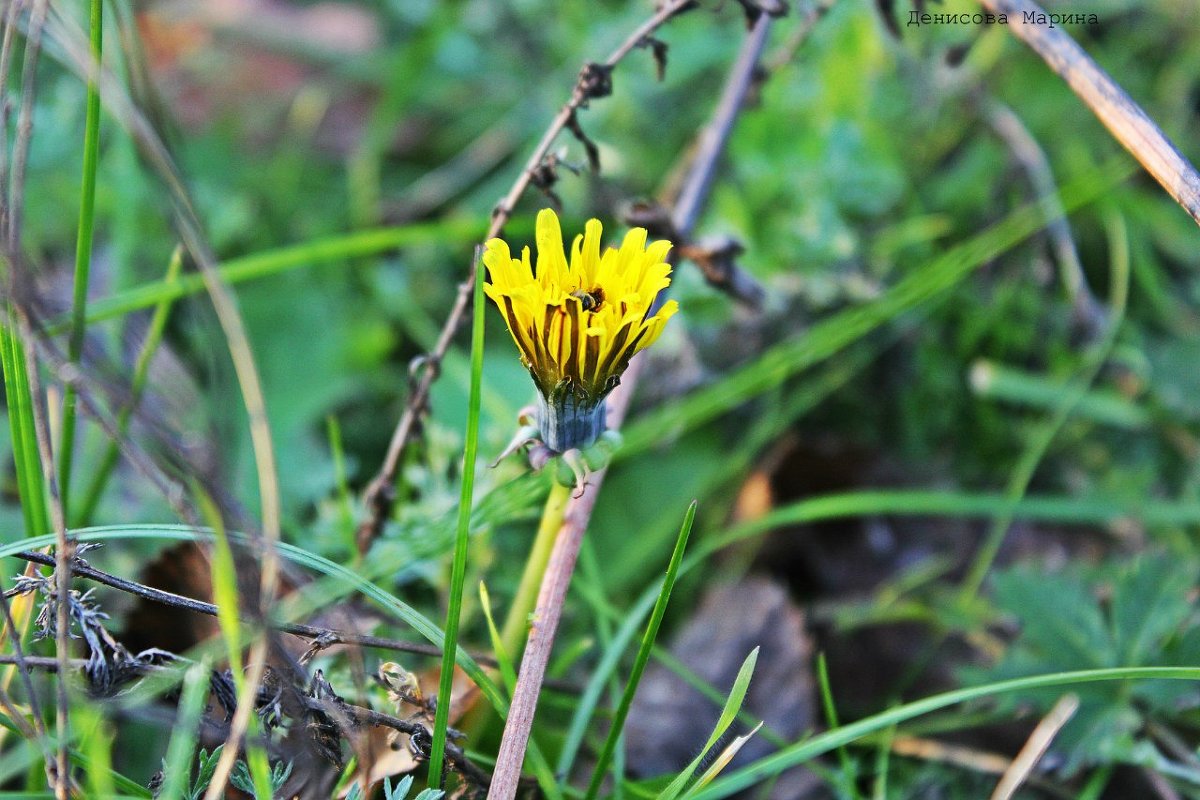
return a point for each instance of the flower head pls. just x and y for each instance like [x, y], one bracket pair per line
[578, 323]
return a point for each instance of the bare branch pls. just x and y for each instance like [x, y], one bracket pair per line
[1127, 122]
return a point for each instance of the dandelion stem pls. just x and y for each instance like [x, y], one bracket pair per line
[516, 624]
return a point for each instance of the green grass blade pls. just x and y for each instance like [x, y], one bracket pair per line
[1031, 390]
[458, 570]
[345, 503]
[27, 461]
[181, 751]
[734, 704]
[83, 249]
[503, 658]
[273, 262]
[804, 751]
[141, 370]
[849, 774]
[643, 656]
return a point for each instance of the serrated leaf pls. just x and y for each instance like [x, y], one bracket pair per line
[1149, 603]
[1059, 617]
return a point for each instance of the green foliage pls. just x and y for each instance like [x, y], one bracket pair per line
[244, 781]
[398, 792]
[1133, 613]
[899, 243]
[683, 785]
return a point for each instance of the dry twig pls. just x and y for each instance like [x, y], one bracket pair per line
[1009, 127]
[1127, 122]
[1035, 747]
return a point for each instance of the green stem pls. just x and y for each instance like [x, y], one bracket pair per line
[516, 624]
[140, 370]
[458, 571]
[83, 248]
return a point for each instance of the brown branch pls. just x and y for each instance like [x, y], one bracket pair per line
[379, 494]
[561, 565]
[1125, 120]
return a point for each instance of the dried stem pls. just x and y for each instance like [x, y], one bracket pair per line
[1009, 127]
[557, 578]
[379, 495]
[1127, 122]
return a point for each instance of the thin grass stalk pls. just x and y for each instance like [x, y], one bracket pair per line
[848, 773]
[30, 489]
[458, 570]
[274, 262]
[643, 656]
[83, 250]
[140, 370]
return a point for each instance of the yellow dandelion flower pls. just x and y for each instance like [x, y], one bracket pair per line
[578, 323]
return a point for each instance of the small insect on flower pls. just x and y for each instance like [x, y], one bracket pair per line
[578, 323]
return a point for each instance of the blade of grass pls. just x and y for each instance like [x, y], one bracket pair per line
[141, 369]
[181, 751]
[83, 247]
[273, 262]
[345, 514]
[848, 780]
[458, 570]
[503, 658]
[736, 695]
[882, 763]
[1009, 384]
[819, 745]
[31, 490]
[643, 655]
